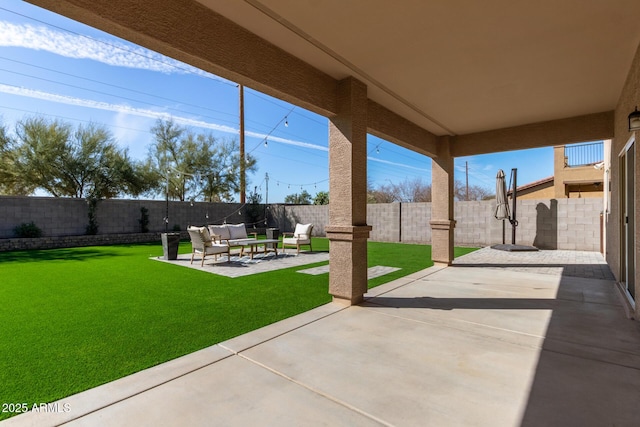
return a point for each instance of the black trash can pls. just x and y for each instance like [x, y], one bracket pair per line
[170, 243]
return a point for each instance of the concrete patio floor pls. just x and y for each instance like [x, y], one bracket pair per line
[466, 345]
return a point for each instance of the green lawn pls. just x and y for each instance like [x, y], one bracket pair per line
[72, 319]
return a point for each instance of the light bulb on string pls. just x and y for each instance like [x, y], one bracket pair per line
[266, 143]
[286, 122]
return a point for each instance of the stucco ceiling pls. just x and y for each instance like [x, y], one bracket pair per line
[460, 66]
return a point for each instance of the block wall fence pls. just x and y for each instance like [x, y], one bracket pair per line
[570, 224]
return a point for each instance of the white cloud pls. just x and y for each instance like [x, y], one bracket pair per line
[125, 110]
[110, 52]
[142, 112]
[375, 159]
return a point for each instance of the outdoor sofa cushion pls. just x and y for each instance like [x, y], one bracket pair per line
[230, 233]
[220, 230]
[237, 231]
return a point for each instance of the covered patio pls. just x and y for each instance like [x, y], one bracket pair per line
[461, 345]
[445, 80]
[451, 345]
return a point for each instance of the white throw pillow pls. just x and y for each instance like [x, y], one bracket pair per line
[237, 231]
[206, 237]
[220, 230]
[302, 231]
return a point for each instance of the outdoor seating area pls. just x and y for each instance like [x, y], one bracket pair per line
[222, 239]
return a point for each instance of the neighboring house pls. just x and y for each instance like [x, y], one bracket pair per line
[577, 172]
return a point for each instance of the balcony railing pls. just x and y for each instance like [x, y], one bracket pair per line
[584, 154]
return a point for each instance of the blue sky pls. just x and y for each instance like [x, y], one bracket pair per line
[61, 69]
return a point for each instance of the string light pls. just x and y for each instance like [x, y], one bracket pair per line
[286, 124]
[314, 184]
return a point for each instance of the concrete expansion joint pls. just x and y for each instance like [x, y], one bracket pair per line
[271, 338]
[316, 391]
[594, 359]
[141, 391]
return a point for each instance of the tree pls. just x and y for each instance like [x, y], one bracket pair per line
[413, 190]
[10, 182]
[407, 191]
[85, 163]
[475, 192]
[195, 165]
[304, 198]
[381, 194]
[51, 156]
[254, 208]
[322, 198]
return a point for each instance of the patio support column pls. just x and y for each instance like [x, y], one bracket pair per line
[348, 230]
[442, 222]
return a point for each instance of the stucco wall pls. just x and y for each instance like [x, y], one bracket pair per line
[629, 99]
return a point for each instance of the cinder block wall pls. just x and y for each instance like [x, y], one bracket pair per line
[68, 217]
[415, 222]
[572, 224]
[385, 220]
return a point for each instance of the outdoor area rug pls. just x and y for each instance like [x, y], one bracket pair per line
[244, 266]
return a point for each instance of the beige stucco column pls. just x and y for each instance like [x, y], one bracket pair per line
[442, 222]
[348, 230]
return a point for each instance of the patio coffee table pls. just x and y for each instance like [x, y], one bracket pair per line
[253, 244]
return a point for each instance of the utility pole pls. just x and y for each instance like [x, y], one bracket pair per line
[266, 199]
[243, 178]
[466, 166]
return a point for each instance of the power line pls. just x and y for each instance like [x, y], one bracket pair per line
[106, 94]
[167, 63]
[104, 83]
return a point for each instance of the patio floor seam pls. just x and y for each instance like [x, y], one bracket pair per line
[446, 324]
[316, 391]
[145, 390]
[593, 359]
[288, 331]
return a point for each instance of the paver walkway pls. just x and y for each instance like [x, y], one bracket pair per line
[567, 263]
[244, 266]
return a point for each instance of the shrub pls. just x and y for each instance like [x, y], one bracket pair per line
[144, 220]
[28, 230]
